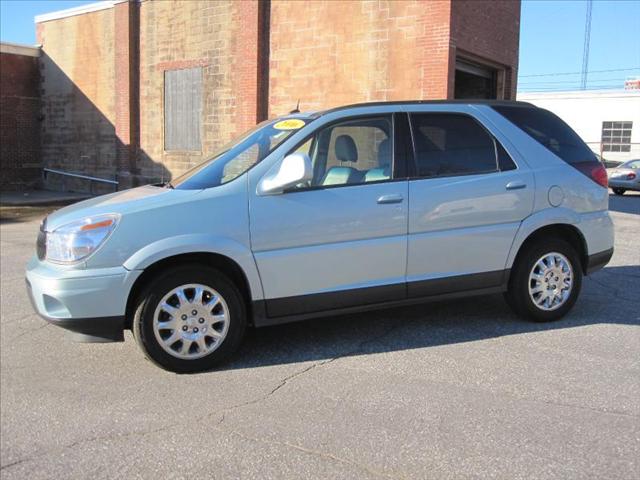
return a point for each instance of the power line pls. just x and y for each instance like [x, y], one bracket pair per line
[564, 89]
[545, 82]
[585, 48]
[578, 73]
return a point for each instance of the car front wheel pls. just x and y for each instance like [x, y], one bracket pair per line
[190, 319]
[546, 280]
[619, 191]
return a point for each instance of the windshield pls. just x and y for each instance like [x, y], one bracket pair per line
[239, 155]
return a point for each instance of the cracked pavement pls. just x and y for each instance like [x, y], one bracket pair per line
[445, 390]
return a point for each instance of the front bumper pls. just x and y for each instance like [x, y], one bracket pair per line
[89, 303]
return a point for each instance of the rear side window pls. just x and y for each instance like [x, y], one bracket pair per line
[451, 144]
[549, 130]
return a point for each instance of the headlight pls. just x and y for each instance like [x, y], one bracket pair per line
[75, 241]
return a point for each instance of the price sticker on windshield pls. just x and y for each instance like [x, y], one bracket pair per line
[290, 124]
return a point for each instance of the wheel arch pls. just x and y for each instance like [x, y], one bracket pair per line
[224, 263]
[565, 231]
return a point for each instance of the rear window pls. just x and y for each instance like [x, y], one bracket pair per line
[549, 130]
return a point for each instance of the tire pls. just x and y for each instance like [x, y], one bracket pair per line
[619, 191]
[196, 349]
[518, 295]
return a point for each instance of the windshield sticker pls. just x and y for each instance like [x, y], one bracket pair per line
[291, 124]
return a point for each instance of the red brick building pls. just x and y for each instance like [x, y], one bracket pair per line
[20, 163]
[146, 89]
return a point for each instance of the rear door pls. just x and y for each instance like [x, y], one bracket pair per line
[467, 198]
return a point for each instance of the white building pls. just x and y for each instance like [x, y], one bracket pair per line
[607, 120]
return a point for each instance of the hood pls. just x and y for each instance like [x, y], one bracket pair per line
[126, 201]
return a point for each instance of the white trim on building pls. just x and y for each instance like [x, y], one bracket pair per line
[19, 49]
[70, 12]
[596, 115]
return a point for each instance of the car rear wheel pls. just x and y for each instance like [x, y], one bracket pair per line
[190, 319]
[546, 281]
[619, 191]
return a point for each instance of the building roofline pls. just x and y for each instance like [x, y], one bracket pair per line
[574, 94]
[82, 9]
[20, 49]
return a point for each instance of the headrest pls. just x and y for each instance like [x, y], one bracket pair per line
[384, 153]
[346, 150]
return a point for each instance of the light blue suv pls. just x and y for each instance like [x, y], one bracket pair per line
[354, 208]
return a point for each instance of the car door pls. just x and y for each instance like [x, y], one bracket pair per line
[339, 241]
[467, 198]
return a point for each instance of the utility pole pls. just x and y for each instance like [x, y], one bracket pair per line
[585, 48]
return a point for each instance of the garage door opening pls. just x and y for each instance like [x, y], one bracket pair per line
[475, 81]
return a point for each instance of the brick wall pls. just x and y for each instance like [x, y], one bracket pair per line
[103, 71]
[222, 38]
[490, 30]
[78, 96]
[19, 121]
[126, 90]
[331, 53]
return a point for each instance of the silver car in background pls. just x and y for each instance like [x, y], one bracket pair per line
[625, 177]
[316, 214]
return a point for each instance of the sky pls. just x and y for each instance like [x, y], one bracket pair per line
[551, 39]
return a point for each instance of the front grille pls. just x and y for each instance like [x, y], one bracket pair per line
[41, 243]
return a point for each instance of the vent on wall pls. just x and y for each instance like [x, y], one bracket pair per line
[183, 109]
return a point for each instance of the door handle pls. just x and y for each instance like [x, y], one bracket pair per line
[392, 198]
[515, 185]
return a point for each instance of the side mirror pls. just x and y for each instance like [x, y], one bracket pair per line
[291, 171]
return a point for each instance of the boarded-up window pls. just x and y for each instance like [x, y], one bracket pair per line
[182, 109]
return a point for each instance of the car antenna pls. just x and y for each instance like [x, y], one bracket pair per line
[297, 109]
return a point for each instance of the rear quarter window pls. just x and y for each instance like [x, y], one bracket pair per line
[550, 131]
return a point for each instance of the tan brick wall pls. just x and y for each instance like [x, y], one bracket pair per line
[103, 72]
[329, 53]
[221, 37]
[77, 67]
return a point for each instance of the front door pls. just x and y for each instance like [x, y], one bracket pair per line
[341, 240]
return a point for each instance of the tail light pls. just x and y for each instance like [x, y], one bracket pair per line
[631, 176]
[595, 171]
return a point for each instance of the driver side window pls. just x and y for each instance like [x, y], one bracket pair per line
[352, 152]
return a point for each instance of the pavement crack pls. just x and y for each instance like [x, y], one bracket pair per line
[97, 438]
[261, 398]
[16, 462]
[28, 332]
[305, 370]
[309, 451]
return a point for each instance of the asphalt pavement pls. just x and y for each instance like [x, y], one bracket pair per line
[445, 390]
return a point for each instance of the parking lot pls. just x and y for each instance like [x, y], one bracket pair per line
[443, 390]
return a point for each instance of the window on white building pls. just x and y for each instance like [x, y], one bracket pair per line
[616, 136]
